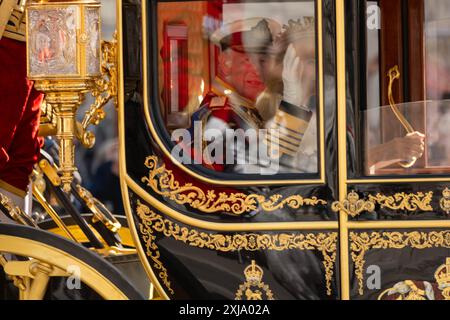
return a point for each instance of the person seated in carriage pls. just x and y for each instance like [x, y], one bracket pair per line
[266, 83]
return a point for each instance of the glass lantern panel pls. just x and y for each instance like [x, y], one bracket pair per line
[92, 30]
[53, 41]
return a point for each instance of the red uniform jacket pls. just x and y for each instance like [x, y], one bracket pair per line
[19, 118]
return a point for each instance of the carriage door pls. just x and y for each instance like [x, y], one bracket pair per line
[247, 215]
[394, 119]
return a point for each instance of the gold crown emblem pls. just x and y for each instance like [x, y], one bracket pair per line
[442, 274]
[253, 273]
[352, 197]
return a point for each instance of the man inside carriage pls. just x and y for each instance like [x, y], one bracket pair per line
[265, 91]
[265, 80]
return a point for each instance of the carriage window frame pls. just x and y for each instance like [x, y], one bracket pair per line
[405, 92]
[155, 122]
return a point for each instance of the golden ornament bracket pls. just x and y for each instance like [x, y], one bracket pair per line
[103, 91]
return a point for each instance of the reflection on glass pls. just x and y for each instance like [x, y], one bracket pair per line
[387, 157]
[237, 84]
[388, 146]
[437, 64]
[93, 43]
[53, 41]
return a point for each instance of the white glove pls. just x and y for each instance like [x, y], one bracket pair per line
[292, 75]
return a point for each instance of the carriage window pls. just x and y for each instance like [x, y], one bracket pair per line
[409, 133]
[237, 84]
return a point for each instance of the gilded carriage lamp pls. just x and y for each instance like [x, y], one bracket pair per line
[64, 60]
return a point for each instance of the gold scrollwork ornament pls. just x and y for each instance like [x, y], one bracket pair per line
[104, 90]
[445, 201]
[403, 201]
[353, 206]
[253, 288]
[152, 223]
[163, 182]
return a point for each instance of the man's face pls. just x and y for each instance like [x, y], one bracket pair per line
[245, 74]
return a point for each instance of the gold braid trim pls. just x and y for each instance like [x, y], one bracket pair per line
[404, 201]
[163, 182]
[360, 243]
[152, 222]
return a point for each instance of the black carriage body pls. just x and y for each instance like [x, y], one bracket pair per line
[205, 234]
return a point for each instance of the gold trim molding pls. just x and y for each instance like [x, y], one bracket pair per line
[163, 182]
[151, 223]
[360, 243]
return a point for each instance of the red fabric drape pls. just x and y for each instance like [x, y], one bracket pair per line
[19, 116]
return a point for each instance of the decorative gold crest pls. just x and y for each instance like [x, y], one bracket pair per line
[445, 201]
[163, 182]
[253, 288]
[353, 206]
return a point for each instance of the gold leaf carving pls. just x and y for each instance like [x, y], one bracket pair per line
[360, 243]
[152, 222]
[163, 182]
[404, 201]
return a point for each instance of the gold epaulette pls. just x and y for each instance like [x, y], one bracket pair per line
[15, 28]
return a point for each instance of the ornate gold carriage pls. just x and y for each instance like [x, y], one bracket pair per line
[364, 218]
